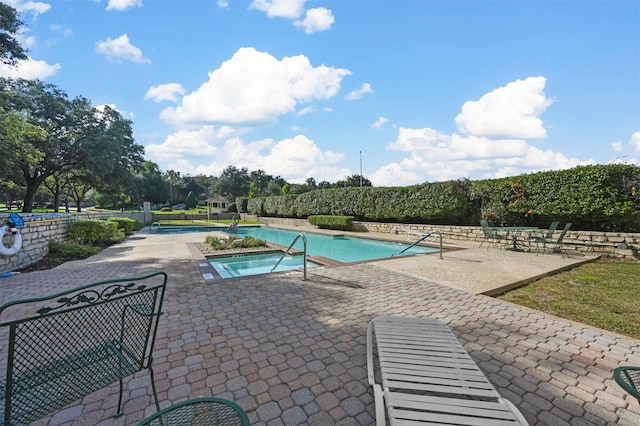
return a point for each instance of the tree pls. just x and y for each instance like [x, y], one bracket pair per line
[150, 185]
[96, 146]
[10, 49]
[191, 201]
[232, 183]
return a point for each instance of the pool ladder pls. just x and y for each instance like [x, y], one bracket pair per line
[422, 238]
[304, 259]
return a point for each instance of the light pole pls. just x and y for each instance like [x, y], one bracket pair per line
[360, 169]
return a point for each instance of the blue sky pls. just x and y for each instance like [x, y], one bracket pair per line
[413, 90]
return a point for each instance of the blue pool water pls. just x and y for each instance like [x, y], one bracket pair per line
[183, 229]
[254, 264]
[341, 248]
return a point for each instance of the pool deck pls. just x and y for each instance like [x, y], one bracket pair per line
[294, 352]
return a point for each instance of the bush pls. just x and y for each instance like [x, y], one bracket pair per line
[129, 225]
[95, 232]
[341, 223]
[78, 251]
[221, 243]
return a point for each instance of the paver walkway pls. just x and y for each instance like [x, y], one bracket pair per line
[293, 352]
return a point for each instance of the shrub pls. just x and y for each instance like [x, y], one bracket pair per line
[125, 223]
[79, 251]
[221, 243]
[248, 242]
[216, 242]
[95, 232]
[341, 223]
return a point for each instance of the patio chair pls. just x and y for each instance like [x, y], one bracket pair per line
[421, 374]
[629, 379]
[545, 238]
[491, 235]
[557, 245]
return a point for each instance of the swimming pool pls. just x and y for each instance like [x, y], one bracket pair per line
[189, 228]
[254, 264]
[341, 248]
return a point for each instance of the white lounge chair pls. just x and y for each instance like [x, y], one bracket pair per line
[426, 377]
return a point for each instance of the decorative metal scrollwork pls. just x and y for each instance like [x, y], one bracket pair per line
[91, 296]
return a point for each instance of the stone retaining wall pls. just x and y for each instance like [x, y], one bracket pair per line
[615, 244]
[40, 228]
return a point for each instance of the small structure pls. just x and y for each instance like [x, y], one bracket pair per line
[217, 204]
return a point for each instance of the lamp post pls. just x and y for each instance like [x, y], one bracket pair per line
[360, 169]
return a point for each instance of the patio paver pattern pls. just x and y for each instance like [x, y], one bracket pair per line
[293, 352]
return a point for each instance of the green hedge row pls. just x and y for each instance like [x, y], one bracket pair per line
[600, 197]
[340, 223]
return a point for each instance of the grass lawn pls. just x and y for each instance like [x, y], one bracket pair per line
[603, 294]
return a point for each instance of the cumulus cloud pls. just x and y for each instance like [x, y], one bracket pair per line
[222, 4]
[491, 141]
[635, 141]
[291, 9]
[121, 49]
[123, 4]
[379, 122]
[29, 69]
[507, 112]
[316, 20]
[296, 158]
[36, 7]
[358, 93]
[255, 88]
[165, 92]
[616, 146]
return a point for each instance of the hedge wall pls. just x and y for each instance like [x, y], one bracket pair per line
[601, 197]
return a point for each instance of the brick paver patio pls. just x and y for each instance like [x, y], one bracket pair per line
[293, 352]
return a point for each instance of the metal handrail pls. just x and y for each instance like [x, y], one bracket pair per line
[304, 258]
[424, 237]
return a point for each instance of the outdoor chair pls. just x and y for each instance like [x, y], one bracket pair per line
[421, 374]
[557, 246]
[64, 346]
[491, 236]
[629, 379]
[546, 238]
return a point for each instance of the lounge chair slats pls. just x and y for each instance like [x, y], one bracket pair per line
[424, 376]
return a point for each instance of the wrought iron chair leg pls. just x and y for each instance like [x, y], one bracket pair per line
[119, 411]
[153, 385]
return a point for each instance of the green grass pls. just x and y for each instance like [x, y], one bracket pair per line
[603, 294]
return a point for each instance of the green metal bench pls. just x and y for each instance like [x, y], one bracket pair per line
[62, 347]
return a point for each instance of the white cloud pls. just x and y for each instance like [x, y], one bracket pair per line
[380, 122]
[29, 69]
[491, 141]
[306, 110]
[222, 4]
[617, 146]
[393, 174]
[36, 7]
[165, 92]
[315, 20]
[358, 93]
[507, 112]
[291, 9]
[255, 88]
[296, 159]
[635, 141]
[121, 48]
[123, 4]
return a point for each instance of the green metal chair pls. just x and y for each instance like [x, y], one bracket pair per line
[67, 345]
[199, 412]
[629, 379]
[491, 235]
[545, 238]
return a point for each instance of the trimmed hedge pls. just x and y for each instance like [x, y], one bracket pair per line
[600, 197]
[340, 223]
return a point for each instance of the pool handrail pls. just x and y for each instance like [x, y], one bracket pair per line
[304, 259]
[422, 238]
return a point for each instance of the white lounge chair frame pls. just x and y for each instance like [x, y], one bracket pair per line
[426, 377]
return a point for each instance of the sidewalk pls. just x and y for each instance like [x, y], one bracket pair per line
[293, 352]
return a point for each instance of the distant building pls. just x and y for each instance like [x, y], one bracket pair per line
[217, 205]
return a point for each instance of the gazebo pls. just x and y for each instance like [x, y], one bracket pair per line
[217, 204]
